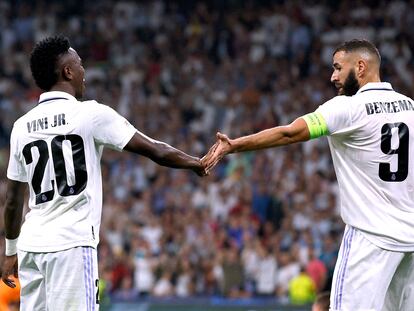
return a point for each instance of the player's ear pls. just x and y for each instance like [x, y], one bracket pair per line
[67, 73]
[361, 68]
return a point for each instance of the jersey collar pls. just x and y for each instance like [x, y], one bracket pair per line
[55, 95]
[376, 86]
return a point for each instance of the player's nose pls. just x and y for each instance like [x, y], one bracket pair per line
[334, 77]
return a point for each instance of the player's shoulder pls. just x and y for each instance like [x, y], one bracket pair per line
[337, 103]
[94, 106]
[90, 104]
[99, 114]
[21, 122]
[94, 111]
[344, 102]
[384, 96]
[339, 99]
[403, 96]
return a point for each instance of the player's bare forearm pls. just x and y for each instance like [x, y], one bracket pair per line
[13, 208]
[297, 131]
[277, 136]
[163, 154]
[167, 155]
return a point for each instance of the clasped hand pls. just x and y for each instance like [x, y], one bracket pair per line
[221, 147]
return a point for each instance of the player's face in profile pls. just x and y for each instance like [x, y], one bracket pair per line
[343, 75]
[78, 81]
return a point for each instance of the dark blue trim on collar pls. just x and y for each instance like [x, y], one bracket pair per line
[377, 89]
[53, 98]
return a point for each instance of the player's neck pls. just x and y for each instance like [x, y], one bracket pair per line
[63, 87]
[370, 79]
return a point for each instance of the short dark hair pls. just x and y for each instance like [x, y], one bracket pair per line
[43, 60]
[359, 45]
[322, 300]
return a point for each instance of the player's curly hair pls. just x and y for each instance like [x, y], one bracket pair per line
[43, 60]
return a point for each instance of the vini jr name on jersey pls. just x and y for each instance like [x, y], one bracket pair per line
[43, 123]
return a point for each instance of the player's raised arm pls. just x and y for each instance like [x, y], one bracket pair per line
[297, 131]
[13, 209]
[164, 154]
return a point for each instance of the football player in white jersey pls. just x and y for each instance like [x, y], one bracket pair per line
[56, 148]
[370, 130]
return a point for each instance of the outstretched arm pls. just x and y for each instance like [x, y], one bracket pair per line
[13, 210]
[163, 154]
[297, 131]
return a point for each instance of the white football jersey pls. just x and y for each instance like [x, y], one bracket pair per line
[371, 138]
[56, 148]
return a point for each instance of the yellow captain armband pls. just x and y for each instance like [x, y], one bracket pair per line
[316, 125]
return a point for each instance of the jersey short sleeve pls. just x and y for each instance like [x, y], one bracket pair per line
[15, 169]
[110, 128]
[336, 113]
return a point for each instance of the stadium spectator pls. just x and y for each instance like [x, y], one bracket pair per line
[316, 270]
[321, 302]
[163, 287]
[232, 273]
[250, 260]
[289, 268]
[126, 291]
[266, 272]
[185, 286]
[302, 289]
[144, 266]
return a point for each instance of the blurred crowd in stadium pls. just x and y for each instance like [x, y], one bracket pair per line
[262, 224]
